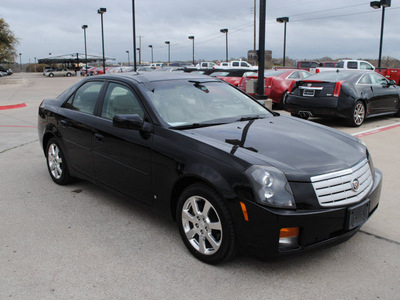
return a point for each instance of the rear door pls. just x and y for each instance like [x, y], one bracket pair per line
[76, 126]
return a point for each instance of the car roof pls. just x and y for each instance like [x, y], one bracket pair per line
[158, 76]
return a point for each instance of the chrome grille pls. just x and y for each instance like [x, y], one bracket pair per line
[337, 189]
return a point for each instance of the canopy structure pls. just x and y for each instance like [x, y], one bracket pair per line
[70, 59]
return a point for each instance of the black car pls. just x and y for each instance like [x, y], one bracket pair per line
[351, 95]
[234, 175]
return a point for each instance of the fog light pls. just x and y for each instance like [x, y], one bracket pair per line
[289, 238]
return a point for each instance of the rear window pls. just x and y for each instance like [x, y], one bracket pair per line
[332, 76]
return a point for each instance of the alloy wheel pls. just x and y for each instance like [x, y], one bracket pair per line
[55, 161]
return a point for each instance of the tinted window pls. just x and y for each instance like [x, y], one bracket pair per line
[378, 79]
[333, 76]
[235, 64]
[243, 64]
[84, 99]
[352, 65]
[294, 75]
[120, 100]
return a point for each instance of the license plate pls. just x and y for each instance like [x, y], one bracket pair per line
[309, 93]
[358, 214]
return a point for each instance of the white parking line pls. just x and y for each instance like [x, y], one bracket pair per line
[376, 130]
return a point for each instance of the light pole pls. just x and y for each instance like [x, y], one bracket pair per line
[376, 5]
[169, 51]
[134, 36]
[151, 47]
[20, 61]
[192, 38]
[84, 27]
[128, 58]
[225, 30]
[283, 20]
[101, 11]
[138, 49]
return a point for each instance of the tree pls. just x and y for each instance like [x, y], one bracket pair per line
[8, 42]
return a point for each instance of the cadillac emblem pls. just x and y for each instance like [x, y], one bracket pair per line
[355, 185]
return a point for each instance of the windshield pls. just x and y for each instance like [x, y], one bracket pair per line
[198, 103]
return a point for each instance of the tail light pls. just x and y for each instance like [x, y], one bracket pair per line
[317, 70]
[337, 89]
[291, 86]
[387, 73]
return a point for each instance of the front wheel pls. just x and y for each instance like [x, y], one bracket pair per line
[68, 74]
[358, 115]
[56, 163]
[205, 225]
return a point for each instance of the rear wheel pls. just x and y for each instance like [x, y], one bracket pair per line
[68, 74]
[51, 75]
[358, 115]
[56, 163]
[205, 225]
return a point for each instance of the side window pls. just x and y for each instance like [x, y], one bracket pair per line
[366, 79]
[378, 79]
[84, 99]
[365, 66]
[294, 75]
[244, 64]
[235, 64]
[352, 65]
[304, 74]
[120, 100]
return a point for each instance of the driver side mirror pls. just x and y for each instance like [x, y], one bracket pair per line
[128, 121]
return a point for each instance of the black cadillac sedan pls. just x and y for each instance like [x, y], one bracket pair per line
[351, 95]
[234, 175]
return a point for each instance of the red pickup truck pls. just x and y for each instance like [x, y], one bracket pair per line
[390, 73]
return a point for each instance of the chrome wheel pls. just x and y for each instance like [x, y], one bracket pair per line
[202, 225]
[55, 161]
[359, 114]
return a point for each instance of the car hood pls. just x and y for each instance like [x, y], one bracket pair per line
[299, 148]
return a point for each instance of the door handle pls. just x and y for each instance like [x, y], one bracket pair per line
[98, 136]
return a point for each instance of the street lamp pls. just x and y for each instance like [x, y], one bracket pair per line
[151, 47]
[84, 27]
[283, 20]
[20, 61]
[138, 49]
[128, 57]
[192, 38]
[225, 30]
[169, 51]
[101, 11]
[376, 5]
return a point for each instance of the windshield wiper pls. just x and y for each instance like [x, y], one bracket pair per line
[249, 118]
[196, 125]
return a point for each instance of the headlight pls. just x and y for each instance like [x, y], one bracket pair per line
[271, 187]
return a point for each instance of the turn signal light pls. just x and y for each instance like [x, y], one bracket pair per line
[289, 232]
[244, 210]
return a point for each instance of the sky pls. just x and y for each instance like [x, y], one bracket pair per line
[316, 28]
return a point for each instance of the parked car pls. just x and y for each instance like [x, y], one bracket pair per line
[306, 65]
[58, 72]
[277, 82]
[235, 64]
[345, 64]
[390, 74]
[234, 175]
[351, 95]
[233, 76]
[206, 65]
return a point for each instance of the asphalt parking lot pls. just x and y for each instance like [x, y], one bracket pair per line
[82, 242]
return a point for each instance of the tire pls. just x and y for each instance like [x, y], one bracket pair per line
[56, 163]
[283, 100]
[300, 115]
[398, 112]
[357, 115]
[205, 225]
[51, 75]
[68, 74]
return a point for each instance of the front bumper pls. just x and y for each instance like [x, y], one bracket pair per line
[317, 227]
